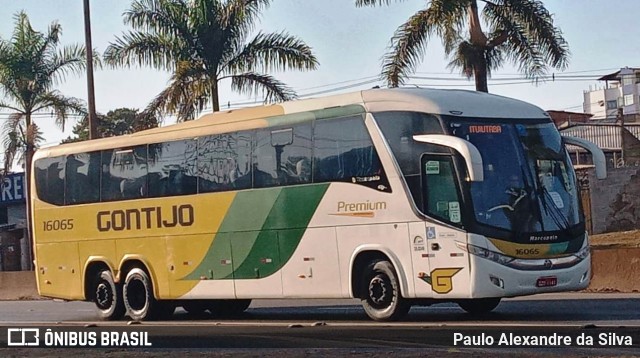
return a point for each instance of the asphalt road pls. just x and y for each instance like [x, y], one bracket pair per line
[342, 324]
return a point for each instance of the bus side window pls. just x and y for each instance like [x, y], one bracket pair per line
[124, 173]
[344, 152]
[224, 162]
[50, 180]
[282, 156]
[82, 178]
[172, 168]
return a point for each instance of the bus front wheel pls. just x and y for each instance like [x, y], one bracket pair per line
[380, 293]
[138, 296]
[479, 305]
[108, 296]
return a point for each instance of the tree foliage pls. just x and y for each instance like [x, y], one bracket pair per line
[32, 63]
[203, 42]
[116, 122]
[477, 40]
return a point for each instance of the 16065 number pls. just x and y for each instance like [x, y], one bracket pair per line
[57, 225]
[527, 251]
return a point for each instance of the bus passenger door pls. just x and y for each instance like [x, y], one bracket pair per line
[449, 264]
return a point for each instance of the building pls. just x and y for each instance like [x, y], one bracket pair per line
[618, 97]
[563, 119]
[620, 144]
[15, 249]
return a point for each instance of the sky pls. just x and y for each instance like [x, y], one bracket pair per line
[349, 43]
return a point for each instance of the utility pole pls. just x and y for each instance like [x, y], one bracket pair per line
[620, 120]
[93, 125]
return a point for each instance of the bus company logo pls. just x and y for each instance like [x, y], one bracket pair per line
[441, 279]
[23, 337]
[364, 209]
[145, 218]
[538, 238]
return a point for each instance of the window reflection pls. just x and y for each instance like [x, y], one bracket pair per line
[229, 161]
[282, 156]
[344, 152]
[124, 173]
[224, 162]
[82, 184]
[172, 168]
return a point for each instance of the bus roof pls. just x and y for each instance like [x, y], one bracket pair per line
[462, 103]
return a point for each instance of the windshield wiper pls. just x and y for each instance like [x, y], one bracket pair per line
[553, 211]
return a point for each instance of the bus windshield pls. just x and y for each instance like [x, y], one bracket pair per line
[528, 184]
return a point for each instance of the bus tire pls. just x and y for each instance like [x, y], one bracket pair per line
[108, 296]
[228, 307]
[381, 297]
[479, 306]
[138, 296]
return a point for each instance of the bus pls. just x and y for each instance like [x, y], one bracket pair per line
[396, 197]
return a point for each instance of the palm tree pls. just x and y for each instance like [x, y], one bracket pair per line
[520, 31]
[31, 64]
[203, 42]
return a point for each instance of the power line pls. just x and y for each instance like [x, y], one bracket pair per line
[42, 115]
[465, 85]
[341, 82]
[544, 78]
[519, 79]
[309, 94]
[373, 79]
[518, 74]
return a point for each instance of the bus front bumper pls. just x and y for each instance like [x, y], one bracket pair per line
[491, 279]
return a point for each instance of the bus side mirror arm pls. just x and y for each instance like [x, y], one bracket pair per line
[469, 152]
[599, 160]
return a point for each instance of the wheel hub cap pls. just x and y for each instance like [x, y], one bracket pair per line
[378, 290]
[103, 295]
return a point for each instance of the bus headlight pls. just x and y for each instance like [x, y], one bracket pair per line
[583, 253]
[489, 255]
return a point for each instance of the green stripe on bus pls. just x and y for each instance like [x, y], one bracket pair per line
[242, 224]
[259, 232]
[281, 233]
[295, 206]
[249, 210]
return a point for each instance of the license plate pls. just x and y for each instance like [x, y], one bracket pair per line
[548, 281]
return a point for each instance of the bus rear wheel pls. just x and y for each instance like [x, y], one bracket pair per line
[107, 296]
[479, 306]
[381, 298]
[138, 297]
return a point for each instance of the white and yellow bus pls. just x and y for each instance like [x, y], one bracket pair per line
[398, 197]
